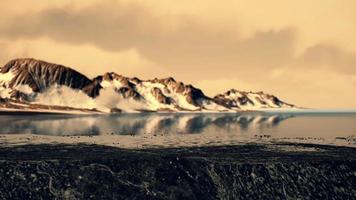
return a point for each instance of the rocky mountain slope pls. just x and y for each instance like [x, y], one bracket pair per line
[38, 82]
[235, 99]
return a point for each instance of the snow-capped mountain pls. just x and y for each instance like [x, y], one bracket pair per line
[25, 76]
[235, 99]
[34, 82]
[159, 94]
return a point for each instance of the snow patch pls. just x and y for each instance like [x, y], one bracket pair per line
[6, 78]
[24, 89]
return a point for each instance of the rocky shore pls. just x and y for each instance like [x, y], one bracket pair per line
[251, 171]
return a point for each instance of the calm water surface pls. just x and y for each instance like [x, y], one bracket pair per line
[325, 125]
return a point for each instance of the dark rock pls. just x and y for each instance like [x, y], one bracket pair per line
[128, 92]
[234, 172]
[115, 110]
[158, 94]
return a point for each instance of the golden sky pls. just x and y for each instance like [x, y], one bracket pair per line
[302, 51]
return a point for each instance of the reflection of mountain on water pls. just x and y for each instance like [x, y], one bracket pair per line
[49, 125]
[250, 121]
[191, 123]
[140, 124]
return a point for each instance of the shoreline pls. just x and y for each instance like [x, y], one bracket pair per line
[242, 152]
[147, 141]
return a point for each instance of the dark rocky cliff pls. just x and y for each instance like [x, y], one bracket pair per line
[235, 172]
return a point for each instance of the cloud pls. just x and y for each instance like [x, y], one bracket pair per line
[329, 57]
[179, 43]
[87, 59]
[317, 88]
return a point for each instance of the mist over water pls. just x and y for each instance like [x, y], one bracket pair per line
[246, 124]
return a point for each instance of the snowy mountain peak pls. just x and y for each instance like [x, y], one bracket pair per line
[235, 99]
[39, 75]
[156, 94]
[34, 81]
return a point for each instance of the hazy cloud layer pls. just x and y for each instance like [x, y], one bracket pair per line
[182, 42]
[330, 57]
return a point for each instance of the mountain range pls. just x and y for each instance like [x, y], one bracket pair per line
[28, 84]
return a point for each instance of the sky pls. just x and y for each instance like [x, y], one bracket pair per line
[301, 51]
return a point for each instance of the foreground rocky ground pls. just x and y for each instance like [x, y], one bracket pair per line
[279, 171]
